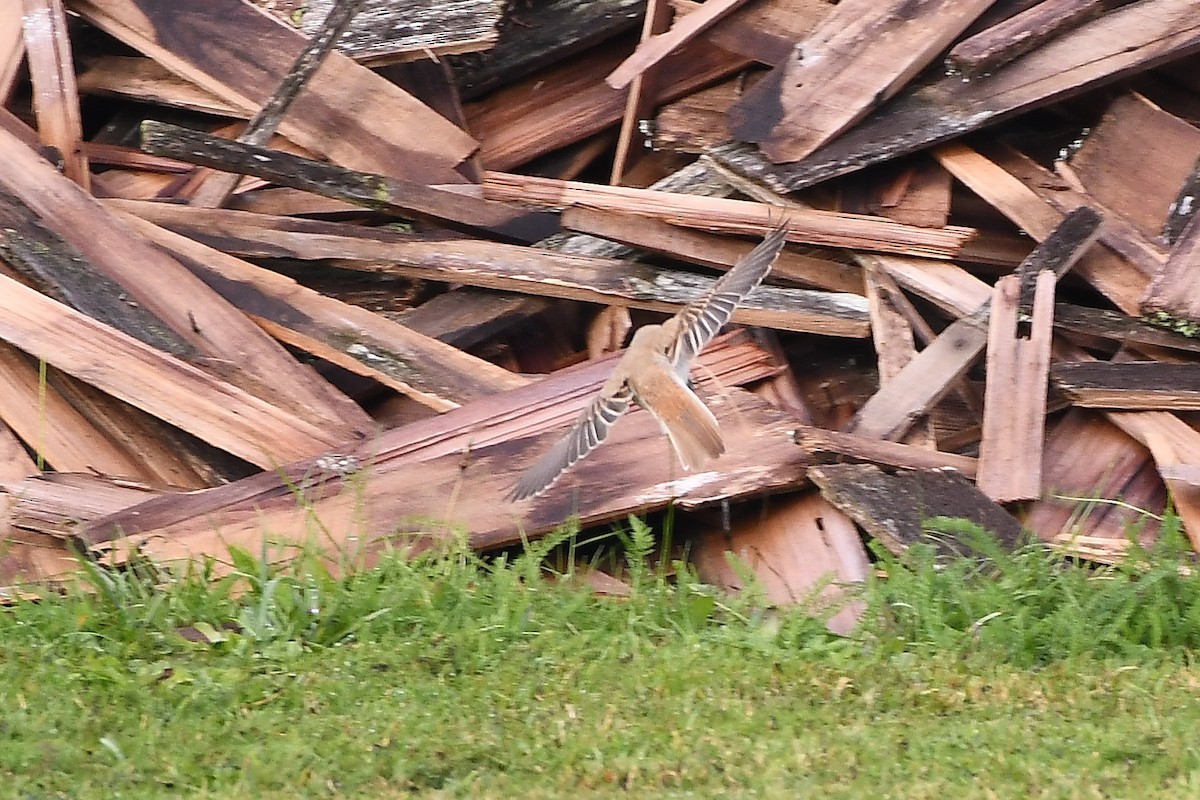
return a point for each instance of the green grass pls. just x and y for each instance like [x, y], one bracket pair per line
[1001, 676]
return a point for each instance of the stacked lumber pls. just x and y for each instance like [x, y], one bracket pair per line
[340, 289]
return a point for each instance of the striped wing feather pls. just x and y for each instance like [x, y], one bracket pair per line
[589, 431]
[700, 321]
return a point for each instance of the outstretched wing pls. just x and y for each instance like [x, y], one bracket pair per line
[590, 430]
[700, 320]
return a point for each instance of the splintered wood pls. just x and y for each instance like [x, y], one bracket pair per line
[379, 303]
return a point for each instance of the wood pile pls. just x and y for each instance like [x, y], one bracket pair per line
[334, 274]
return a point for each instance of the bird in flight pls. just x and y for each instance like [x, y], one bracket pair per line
[654, 373]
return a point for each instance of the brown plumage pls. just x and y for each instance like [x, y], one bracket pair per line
[654, 372]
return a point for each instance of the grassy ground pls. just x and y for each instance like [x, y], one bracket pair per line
[1010, 676]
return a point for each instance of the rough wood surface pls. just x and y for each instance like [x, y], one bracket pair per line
[801, 549]
[55, 97]
[820, 443]
[370, 190]
[897, 509]
[999, 44]
[1014, 411]
[382, 33]
[655, 45]
[356, 118]
[1131, 38]
[1130, 385]
[858, 56]
[828, 228]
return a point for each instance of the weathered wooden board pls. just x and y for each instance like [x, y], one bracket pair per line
[828, 228]
[801, 549]
[1014, 411]
[153, 279]
[895, 509]
[1134, 37]
[172, 390]
[859, 56]
[365, 189]
[349, 114]
[1130, 385]
[989, 49]
[821, 444]
[55, 97]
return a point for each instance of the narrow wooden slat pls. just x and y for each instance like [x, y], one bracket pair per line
[703, 248]
[1014, 412]
[383, 33]
[639, 100]
[163, 386]
[860, 55]
[386, 131]
[819, 442]
[55, 97]
[364, 189]
[1171, 298]
[1130, 385]
[656, 46]
[802, 550]
[828, 228]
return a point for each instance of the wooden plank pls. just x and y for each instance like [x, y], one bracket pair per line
[655, 45]
[801, 549]
[1132, 38]
[895, 345]
[172, 390]
[828, 228]
[55, 97]
[1171, 298]
[1014, 411]
[383, 33]
[859, 55]
[697, 121]
[1028, 30]
[12, 48]
[1096, 479]
[1135, 159]
[639, 100]
[145, 80]
[765, 31]
[540, 33]
[159, 283]
[56, 433]
[497, 266]
[370, 190]
[371, 503]
[435, 374]
[929, 376]
[819, 443]
[707, 249]
[1117, 278]
[1120, 327]
[1130, 385]
[896, 509]
[386, 130]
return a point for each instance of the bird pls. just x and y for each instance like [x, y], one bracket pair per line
[653, 372]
